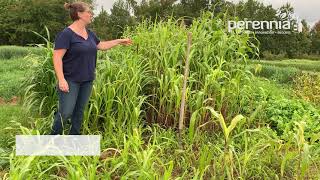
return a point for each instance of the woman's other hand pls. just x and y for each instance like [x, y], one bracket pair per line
[63, 85]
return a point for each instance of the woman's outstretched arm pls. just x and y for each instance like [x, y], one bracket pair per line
[104, 45]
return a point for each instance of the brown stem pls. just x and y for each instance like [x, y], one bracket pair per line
[186, 73]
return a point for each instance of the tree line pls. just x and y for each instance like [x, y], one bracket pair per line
[18, 18]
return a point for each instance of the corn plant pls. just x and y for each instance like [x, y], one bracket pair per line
[228, 153]
[303, 151]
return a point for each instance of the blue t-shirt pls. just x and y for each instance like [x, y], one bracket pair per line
[79, 61]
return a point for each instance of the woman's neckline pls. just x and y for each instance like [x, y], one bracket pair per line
[79, 34]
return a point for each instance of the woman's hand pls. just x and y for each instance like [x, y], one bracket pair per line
[126, 41]
[63, 85]
[104, 45]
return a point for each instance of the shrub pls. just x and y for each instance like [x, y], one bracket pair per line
[10, 52]
[278, 74]
[307, 86]
[269, 56]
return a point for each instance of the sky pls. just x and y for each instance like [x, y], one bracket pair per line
[304, 9]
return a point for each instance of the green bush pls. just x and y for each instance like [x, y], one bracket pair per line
[269, 56]
[281, 113]
[278, 74]
[307, 86]
[279, 109]
[10, 52]
[301, 64]
[314, 57]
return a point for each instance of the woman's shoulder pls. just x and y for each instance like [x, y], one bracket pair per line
[66, 30]
[64, 34]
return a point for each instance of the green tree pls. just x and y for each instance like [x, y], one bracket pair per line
[120, 18]
[289, 43]
[101, 25]
[315, 38]
[152, 9]
[253, 10]
[304, 39]
[292, 44]
[18, 18]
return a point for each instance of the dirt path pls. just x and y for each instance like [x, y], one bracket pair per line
[13, 101]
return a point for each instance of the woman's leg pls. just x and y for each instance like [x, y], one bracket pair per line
[67, 101]
[82, 100]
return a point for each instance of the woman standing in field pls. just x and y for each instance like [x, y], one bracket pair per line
[74, 59]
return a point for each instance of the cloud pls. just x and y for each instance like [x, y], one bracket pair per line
[106, 4]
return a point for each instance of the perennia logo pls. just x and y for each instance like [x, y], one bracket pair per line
[265, 27]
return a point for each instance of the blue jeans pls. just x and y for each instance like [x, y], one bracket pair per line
[71, 105]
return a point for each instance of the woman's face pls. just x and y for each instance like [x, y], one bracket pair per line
[86, 16]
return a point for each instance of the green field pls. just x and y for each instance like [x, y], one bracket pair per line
[302, 64]
[259, 125]
[13, 72]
